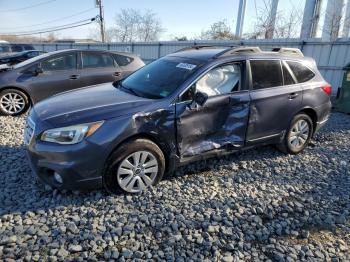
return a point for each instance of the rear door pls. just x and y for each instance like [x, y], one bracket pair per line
[275, 99]
[59, 75]
[221, 122]
[97, 68]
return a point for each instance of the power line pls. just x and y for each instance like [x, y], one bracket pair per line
[48, 28]
[51, 21]
[59, 29]
[27, 7]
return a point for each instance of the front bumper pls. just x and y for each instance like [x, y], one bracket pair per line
[80, 165]
[74, 174]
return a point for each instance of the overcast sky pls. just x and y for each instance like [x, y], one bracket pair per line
[179, 17]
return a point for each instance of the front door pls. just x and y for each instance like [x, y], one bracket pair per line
[59, 74]
[275, 99]
[221, 122]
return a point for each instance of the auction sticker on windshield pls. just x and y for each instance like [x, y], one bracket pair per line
[186, 66]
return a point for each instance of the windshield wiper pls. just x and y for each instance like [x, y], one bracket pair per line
[130, 90]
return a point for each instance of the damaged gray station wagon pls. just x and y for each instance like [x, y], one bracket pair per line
[193, 104]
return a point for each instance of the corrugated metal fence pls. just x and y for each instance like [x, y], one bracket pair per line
[331, 57]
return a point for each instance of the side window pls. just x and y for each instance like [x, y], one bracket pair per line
[16, 48]
[95, 60]
[220, 80]
[301, 72]
[123, 60]
[189, 94]
[32, 54]
[63, 62]
[266, 73]
[287, 77]
[28, 47]
[31, 69]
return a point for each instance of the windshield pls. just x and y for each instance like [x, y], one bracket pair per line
[160, 78]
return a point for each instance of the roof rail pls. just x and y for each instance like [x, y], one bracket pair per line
[197, 47]
[239, 50]
[288, 51]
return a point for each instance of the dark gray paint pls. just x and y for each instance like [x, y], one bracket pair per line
[185, 132]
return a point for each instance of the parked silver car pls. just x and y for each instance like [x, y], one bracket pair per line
[35, 79]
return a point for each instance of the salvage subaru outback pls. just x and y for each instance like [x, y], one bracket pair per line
[187, 106]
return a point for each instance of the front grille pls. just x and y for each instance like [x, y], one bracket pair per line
[29, 131]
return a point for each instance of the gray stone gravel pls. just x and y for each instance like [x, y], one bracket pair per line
[255, 205]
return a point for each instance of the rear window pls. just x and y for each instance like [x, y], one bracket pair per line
[4, 48]
[266, 73]
[301, 72]
[28, 47]
[123, 60]
[16, 48]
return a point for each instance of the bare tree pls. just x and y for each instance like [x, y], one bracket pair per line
[150, 27]
[286, 25]
[134, 25]
[218, 31]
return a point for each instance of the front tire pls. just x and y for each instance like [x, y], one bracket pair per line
[298, 135]
[13, 102]
[133, 167]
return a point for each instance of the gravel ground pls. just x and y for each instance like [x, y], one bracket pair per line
[251, 206]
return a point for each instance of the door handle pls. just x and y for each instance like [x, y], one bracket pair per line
[293, 95]
[74, 77]
[117, 74]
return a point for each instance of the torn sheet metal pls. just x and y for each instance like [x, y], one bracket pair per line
[221, 122]
[159, 123]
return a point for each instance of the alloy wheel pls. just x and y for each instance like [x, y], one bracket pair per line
[137, 171]
[12, 103]
[299, 134]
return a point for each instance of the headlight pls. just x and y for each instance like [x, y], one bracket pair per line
[70, 134]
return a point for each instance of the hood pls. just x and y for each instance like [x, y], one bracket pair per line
[10, 55]
[89, 104]
[5, 67]
[2, 55]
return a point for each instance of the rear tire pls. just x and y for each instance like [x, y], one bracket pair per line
[298, 135]
[133, 167]
[13, 102]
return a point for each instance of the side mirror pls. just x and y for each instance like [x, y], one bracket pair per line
[38, 71]
[200, 98]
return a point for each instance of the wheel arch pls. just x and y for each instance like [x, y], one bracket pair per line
[312, 114]
[161, 144]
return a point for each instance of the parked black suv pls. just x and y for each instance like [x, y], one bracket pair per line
[45, 75]
[184, 107]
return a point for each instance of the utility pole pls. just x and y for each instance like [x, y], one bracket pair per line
[346, 28]
[272, 20]
[102, 20]
[310, 19]
[332, 19]
[240, 19]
